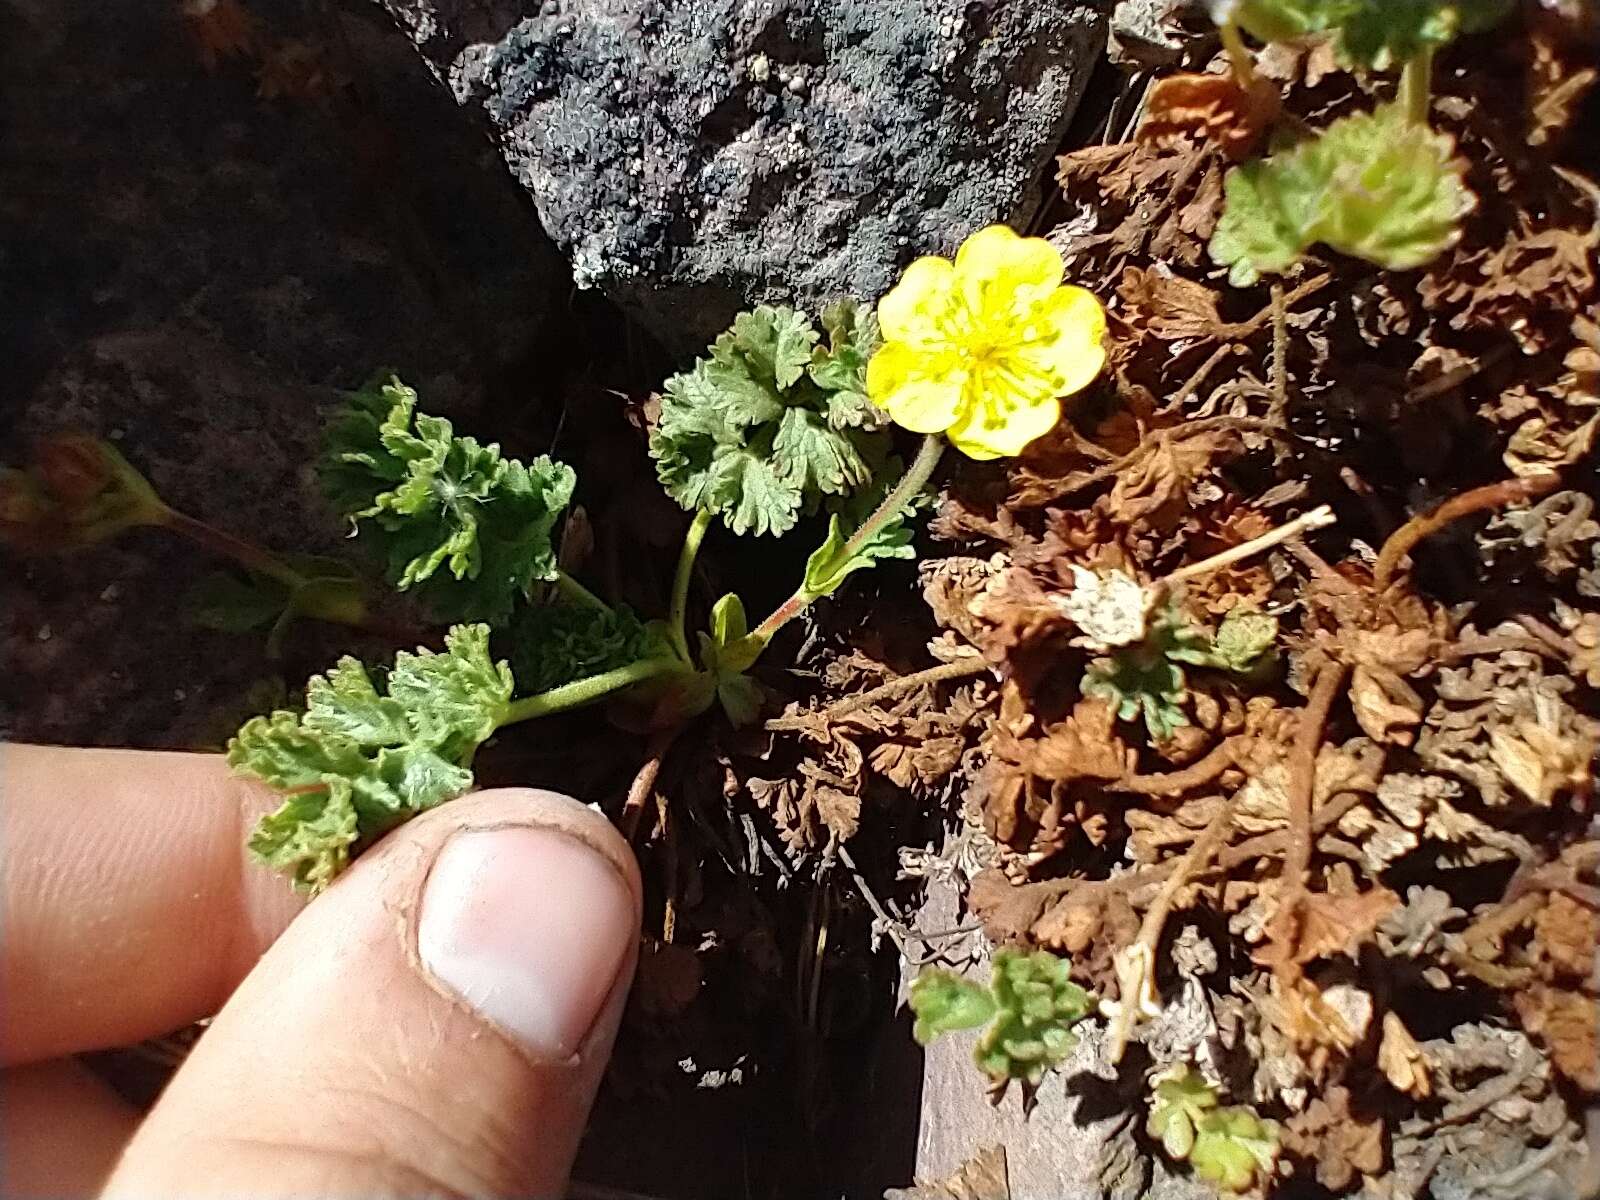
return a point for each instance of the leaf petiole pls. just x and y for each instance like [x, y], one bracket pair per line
[586, 691]
[577, 593]
[681, 580]
[893, 506]
[1239, 57]
[1416, 84]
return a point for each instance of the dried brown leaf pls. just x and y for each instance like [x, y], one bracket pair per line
[1167, 306]
[1402, 1061]
[1566, 935]
[1183, 108]
[1567, 1023]
[1342, 1143]
[1340, 924]
[982, 1177]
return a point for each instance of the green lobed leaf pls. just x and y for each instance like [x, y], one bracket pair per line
[359, 761]
[1030, 1007]
[1369, 33]
[943, 1002]
[1244, 639]
[309, 836]
[829, 565]
[470, 529]
[771, 422]
[1280, 20]
[1234, 1149]
[1230, 1147]
[1038, 1004]
[1376, 186]
[1147, 680]
[1384, 33]
[1177, 1107]
[1141, 682]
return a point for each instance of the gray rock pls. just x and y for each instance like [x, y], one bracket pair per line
[1151, 33]
[693, 156]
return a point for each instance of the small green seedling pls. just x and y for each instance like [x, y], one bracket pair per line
[1230, 1147]
[1148, 679]
[1029, 1007]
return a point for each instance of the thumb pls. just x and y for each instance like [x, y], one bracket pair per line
[435, 1024]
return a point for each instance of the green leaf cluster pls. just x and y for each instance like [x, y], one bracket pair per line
[1376, 186]
[774, 421]
[1030, 1007]
[726, 653]
[1148, 679]
[1230, 1147]
[1370, 33]
[467, 527]
[359, 761]
[554, 644]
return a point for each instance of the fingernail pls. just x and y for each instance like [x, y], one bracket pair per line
[529, 927]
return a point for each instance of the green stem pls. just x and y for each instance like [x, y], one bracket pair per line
[586, 691]
[911, 483]
[1239, 56]
[569, 587]
[1416, 86]
[681, 579]
[246, 554]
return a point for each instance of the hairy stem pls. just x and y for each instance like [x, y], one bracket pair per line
[586, 691]
[1416, 85]
[681, 580]
[1239, 57]
[911, 483]
[574, 591]
[1303, 777]
[247, 554]
[1495, 495]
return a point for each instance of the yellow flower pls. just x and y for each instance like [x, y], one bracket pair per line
[983, 348]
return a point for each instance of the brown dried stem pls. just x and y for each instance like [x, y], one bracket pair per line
[1317, 518]
[1495, 495]
[960, 669]
[1263, 845]
[1303, 776]
[1175, 783]
[641, 791]
[1135, 963]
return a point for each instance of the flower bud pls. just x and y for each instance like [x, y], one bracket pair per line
[73, 467]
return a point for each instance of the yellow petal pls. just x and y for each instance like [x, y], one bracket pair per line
[983, 433]
[913, 307]
[900, 383]
[999, 272]
[1076, 351]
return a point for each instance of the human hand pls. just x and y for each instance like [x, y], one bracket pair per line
[436, 1023]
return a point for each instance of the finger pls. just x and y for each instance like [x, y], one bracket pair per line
[61, 1131]
[129, 906]
[435, 1024]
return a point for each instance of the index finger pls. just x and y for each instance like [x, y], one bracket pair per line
[128, 907]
